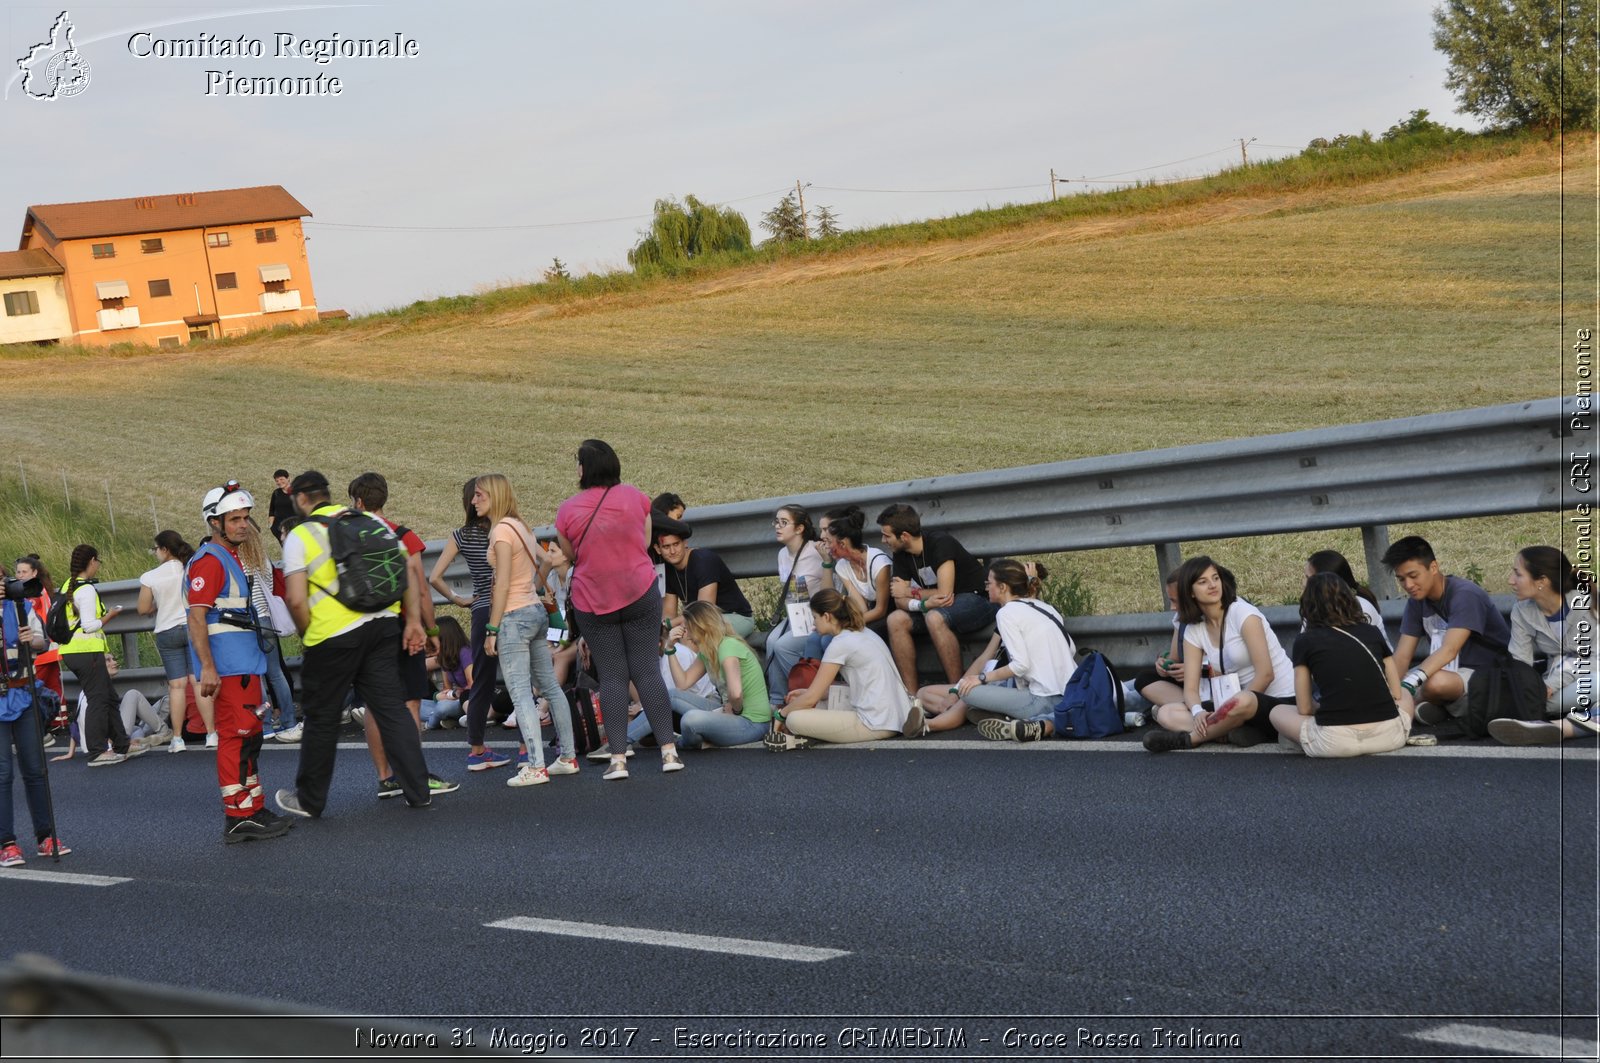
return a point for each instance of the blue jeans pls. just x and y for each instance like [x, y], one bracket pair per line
[432, 712]
[524, 661]
[718, 728]
[965, 614]
[683, 702]
[278, 684]
[784, 651]
[21, 737]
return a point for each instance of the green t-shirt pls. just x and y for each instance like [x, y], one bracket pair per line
[751, 677]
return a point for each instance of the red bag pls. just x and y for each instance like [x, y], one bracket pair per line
[803, 674]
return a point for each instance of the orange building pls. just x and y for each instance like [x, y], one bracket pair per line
[168, 270]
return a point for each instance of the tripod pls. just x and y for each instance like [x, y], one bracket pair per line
[24, 670]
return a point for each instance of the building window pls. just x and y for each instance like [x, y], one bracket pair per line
[226, 281]
[104, 250]
[217, 240]
[267, 236]
[151, 247]
[170, 341]
[21, 303]
[274, 286]
[197, 334]
[160, 288]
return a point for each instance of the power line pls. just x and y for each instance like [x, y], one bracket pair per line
[927, 191]
[361, 227]
[1159, 165]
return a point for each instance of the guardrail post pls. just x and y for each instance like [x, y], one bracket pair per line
[1375, 542]
[1168, 557]
[130, 648]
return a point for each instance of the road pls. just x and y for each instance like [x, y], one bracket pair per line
[1082, 897]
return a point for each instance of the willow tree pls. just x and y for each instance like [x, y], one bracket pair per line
[1520, 63]
[681, 232]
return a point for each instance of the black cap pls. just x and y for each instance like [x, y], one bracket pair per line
[661, 524]
[309, 481]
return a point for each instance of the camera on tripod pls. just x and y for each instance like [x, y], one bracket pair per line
[20, 590]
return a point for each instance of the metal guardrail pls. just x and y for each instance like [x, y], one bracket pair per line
[1443, 466]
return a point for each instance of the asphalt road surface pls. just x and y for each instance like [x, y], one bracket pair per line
[951, 898]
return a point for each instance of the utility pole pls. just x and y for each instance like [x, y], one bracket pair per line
[1053, 180]
[1243, 156]
[805, 227]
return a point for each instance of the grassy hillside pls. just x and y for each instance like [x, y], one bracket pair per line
[1192, 319]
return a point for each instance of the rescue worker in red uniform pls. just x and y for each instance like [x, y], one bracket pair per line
[225, 654]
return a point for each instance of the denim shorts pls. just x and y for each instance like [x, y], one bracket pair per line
[966, 614]
[173, 645]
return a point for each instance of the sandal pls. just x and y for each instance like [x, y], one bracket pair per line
[784, 742]
[670, 761]
[618, 769]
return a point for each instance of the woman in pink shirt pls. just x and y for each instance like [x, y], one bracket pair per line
[604, 530]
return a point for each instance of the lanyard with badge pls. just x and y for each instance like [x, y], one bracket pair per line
[1223, 684]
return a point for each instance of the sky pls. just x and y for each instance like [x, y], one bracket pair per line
[521, 132]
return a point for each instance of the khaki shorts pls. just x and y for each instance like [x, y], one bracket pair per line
[1354, 739]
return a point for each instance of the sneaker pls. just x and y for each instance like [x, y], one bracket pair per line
[563, 766]
[782, 742]
[289, 801]
[49, 740]
[509, 723]
[604, 753]
[1012, 730]
[1246, 735]
[1584, 721]
[177, 745]
[1525, 732]
[449, 723]
[160, 738]
[1431, 714]
[486, 760]
[437, 785]
[389, 787]
[135, 749]
[529, 776]
[254, 828]
[53, 847]
[108, 757]
[670, 762]
[11, 855]
[1165, 741]
[916, 725]
[522, 758]
[211, 740]
[617, 770]
[291, 734]
[358, 715]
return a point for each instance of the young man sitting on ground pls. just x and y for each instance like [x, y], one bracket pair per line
[1463, 628]
[937, 588]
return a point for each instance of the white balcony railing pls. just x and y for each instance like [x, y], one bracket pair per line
[127, 317]
[272, 302]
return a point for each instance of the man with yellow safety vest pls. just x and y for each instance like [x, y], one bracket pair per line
[225, 653]
[346, 648]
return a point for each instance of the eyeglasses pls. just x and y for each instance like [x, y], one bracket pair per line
[783, 522]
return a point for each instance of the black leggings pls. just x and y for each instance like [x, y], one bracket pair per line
[626, 645]
[485, 672]
[104, 716]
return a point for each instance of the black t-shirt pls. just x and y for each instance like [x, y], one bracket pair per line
[280, 507]
[706, 567]
[1353, 687]
[939, 547]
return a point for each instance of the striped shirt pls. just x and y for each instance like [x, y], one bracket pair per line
[472, 543]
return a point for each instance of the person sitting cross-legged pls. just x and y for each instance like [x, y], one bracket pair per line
[937, 588]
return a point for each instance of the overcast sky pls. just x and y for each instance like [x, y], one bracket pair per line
[528, 130]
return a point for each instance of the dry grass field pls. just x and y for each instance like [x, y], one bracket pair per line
[1436, 290]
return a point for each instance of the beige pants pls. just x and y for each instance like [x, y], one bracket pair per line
[831, 725]
[1355, 739]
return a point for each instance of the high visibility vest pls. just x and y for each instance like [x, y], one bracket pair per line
[82, 641]
[329, 616]
[51, 653]
[235, 650]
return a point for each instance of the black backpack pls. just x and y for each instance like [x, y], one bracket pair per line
[1507, 689]
[57, 628]
[370, 559]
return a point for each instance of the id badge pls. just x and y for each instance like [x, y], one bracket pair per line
[1223, 687]
[927, 576]
[801, 620]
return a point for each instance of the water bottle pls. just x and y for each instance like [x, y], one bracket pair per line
[1132, 721]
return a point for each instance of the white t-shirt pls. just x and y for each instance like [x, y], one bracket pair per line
[703, 687]
[1042, 660]
[1235, 655]
[867, 666]
[166, 587]
[877, 561]
[808, 567]
[1372, 615]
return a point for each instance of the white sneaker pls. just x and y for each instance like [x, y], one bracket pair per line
[211, 740]
[178, 745]
[290, 734]
[563, 766]
[529, 776]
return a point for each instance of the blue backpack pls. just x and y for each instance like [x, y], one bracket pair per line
[1091, 707]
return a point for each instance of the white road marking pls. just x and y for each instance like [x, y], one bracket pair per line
[772, 950]
[1510, 1042]
[65, 878]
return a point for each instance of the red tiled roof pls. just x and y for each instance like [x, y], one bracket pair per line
[149, 214]
[33, 263]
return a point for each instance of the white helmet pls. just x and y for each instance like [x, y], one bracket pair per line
[225, 499]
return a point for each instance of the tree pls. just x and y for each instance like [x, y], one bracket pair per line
[784, 221]
[1520, 63]
[827, 223]
[556, 271]
[683, 231]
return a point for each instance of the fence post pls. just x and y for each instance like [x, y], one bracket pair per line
[1375, 542]
[112, 513]
[1168, 557]
[155, 521]
[23, 470]
[66, 492]
[130, 648]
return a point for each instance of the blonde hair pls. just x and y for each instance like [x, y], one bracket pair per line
[251, 553]
[502, 499]
[705, 627]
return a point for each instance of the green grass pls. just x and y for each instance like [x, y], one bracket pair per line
[1428, 288]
